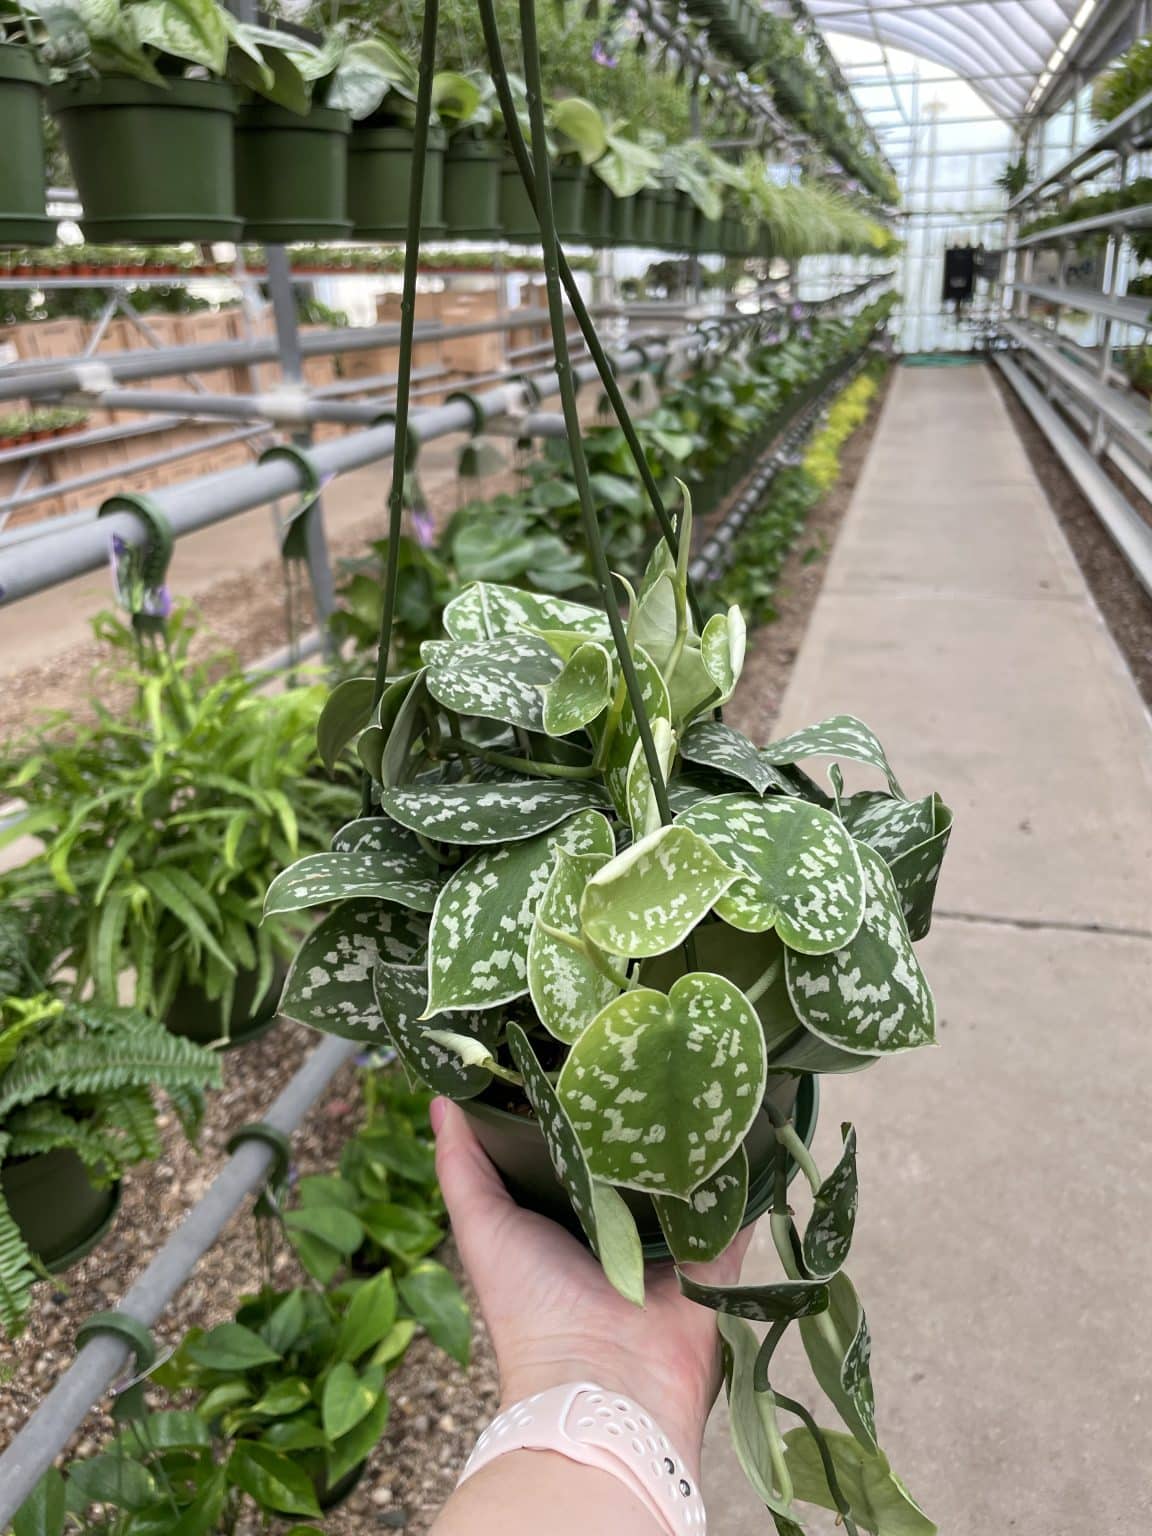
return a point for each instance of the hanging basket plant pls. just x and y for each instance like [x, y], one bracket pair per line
[464, 105]
[23, 219]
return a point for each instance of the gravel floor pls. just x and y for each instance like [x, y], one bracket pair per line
[437, 1409]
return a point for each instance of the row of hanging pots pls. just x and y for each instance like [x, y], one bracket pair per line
[190, 161]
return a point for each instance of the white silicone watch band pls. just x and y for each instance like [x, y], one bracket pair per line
[600, 1429]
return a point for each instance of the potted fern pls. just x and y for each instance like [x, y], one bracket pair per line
[77, 1105]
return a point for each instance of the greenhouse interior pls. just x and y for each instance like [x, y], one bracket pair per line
[544, 542]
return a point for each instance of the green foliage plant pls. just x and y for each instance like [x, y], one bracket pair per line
[1123, 84]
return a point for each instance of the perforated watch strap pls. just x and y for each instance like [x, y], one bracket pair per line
[600, 1429]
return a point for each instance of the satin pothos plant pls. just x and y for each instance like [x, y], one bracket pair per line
[643, 972]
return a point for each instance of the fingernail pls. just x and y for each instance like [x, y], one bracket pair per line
[436, 1112]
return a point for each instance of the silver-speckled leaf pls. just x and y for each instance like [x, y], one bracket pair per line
[497, 679]
[713, 744]
[652, 622]
[329, 986]
[607, 1222]
[476, 814]
[621, 722]
[722, 646]
[643, 807]
[839, 1347]
[478, 944]
[662, 1088]
[916, 871]
[871, 996]
[650, 896]
[838, 736]
[828, 1235]
[581, 692]
[878, 1499]
[401, 997]
[568, 989]
[778, 1303]
[374, 834]
[750, 1411]
[889, 825]
[487, 610]
[701, 1227]
[800, 871]
[319, 879]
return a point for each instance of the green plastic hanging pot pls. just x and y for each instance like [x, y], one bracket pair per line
[379, 174]
[23, 220]
[664, 223]
[644, 222]
[687, 216]
[60, 1212]
[292, 173]
[195, 1016]
[709, 235]
[598, 202]
[517, 218]
[624, 220]
[472, 186]
[152, 163]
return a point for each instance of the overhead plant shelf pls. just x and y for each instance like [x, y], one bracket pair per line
[1139, 217]
[1131, 129]
[1089, 302]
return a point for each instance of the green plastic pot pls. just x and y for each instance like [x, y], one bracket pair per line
[687, 217]
[624, 220]
[379, 175]
[60, 1212]
[598, 202]
[152, 163]
[517, 219]
[472, 186]
[644, 222]
[709, 235]
[195, 1016]
[664, 224]
[292, 174]
[23, 220]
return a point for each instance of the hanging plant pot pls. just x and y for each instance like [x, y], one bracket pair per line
[598, 202]
[196, 1016]
[687, 217]
[23, 220]
[517, 219]
[624, 220]
[472, 186]
[292, 174]
[516, 1146]
[708, 234]
[61, 1213]
[379, 173]
[665, 221]
[153, 163]
[644, 222]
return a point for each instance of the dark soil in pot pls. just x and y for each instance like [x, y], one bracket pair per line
[23, 220]
[292, 174]
[60, 1212]
[379, 174]
[195, 1016]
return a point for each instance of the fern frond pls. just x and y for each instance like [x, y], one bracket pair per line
[133, 1116]
[105, 1065]
[16, 1272]
[45, 1127]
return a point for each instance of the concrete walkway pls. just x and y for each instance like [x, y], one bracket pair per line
[1004, 1252]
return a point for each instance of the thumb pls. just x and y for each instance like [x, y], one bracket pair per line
[473, 1191]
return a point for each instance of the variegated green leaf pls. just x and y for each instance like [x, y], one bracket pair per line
[778, 1303]
[581, 692]
[879, 1500]
[643, 807]
[496, 679]
[662, 1088]
[187, 29]
[403, 718]
[607, 1222]
[839, 736]
[568, 987]
[713, 744]
[754, 1430]
[374, 834]
[654, 620]
[828, 1235]
[839, 1347]
[478, 944]
[500, 812]
[620, 722]
[378, 730]
[722, 646]
[318, 879]
[486, 611]
[912, 846]
[701, 1227]
[889, 825]
[330, 984]
[800, 870]
[807, 1053]
[654, 893]
[871, 996]
[402, 997]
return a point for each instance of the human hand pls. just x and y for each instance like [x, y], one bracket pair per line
[554, 1318]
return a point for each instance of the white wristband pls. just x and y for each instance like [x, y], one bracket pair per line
[600, 1429]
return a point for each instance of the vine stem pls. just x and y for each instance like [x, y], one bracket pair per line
[524, 162]
[537, 172]
[522, 764]
[843, 1507]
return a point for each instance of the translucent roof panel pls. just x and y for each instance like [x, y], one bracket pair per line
[1007, 49]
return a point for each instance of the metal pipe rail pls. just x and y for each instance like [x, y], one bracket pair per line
[101, 1360]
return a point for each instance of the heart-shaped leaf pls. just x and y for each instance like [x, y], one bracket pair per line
[271, 1478]
[713, 744]
[402, 999]
[496, 679]
[889, 825]
[871, 996]
[582, 691]
[802, 875]
[607, 1222]
[662, 1088]
[646, 899]
[478, 943]
[828, 1235]
[839, 1347]
[375, 834]
[318, 879]
[839, 736]
[567, 986]
[330, 985]
[348, 1397]
[701, 1227]
[487, 610]
[431, 1294]
[476, 814]
[722, 646]
[879, 1501]
[779, 1303]
[913, 847]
